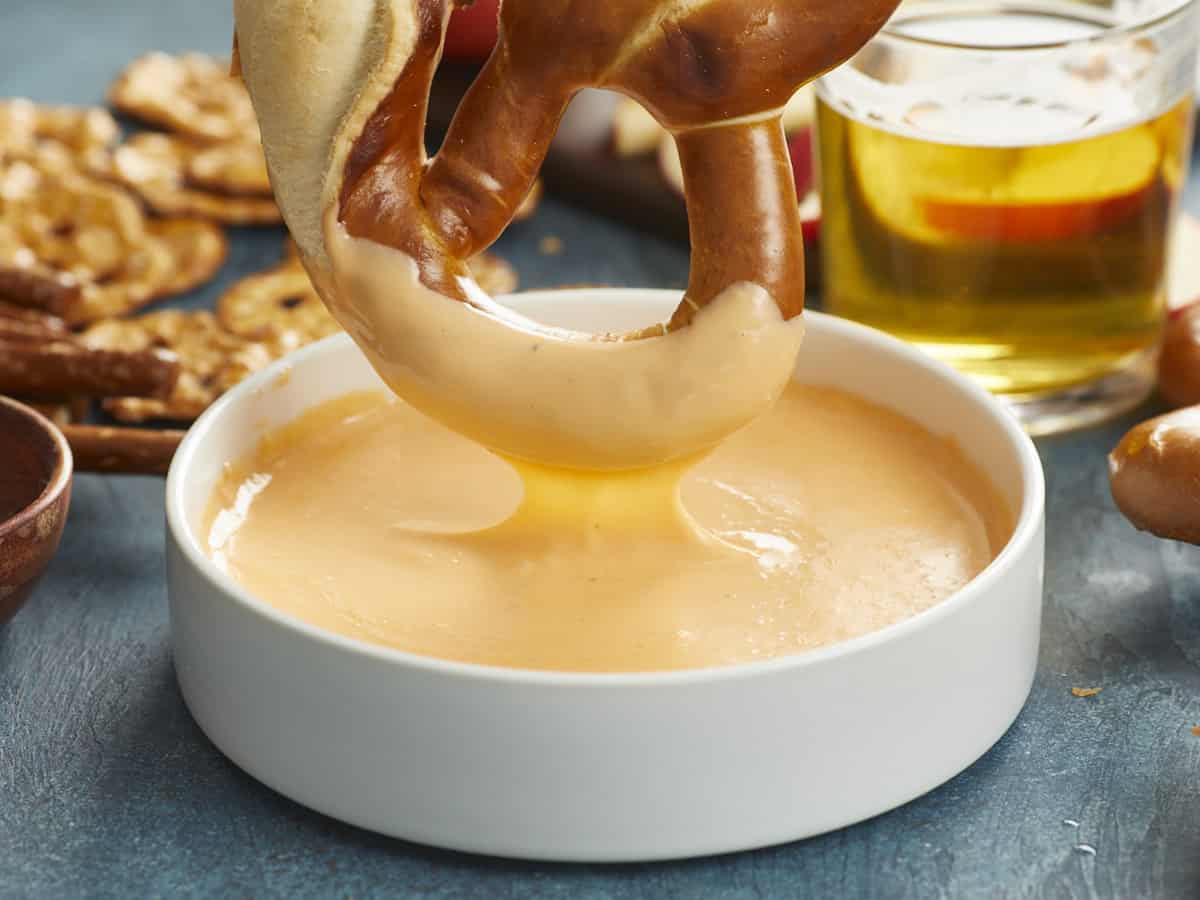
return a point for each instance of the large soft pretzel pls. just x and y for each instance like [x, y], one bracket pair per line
[341, 89]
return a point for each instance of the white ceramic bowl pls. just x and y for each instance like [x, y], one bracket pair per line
[610, 767]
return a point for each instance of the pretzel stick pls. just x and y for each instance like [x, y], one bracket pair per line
[67, 369]
[10, 311]
[46, 291]
[22, 330]
[129, 451]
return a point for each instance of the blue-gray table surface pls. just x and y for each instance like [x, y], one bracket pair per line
[107, 787]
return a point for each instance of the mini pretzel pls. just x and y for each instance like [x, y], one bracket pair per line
[237, 168]
[83, 250]
[282, 303]
[211, 361]
[192, 94]
[57, 136]
[159, 167]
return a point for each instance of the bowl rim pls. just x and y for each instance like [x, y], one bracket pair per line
[1025, 532]
[60, 475]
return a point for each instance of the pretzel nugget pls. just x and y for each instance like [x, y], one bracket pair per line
[191, 94]
[127, 451]
[64, 368]
[156, 166]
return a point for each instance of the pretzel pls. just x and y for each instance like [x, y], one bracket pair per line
[341, 103]
[62, 412]
[81, 249]
[192, 94]
[211, 360]
[130, 451]
[198, 249]
[63, 368]
[282, 304]
[157, 167]
[236, 168]
[59, 137]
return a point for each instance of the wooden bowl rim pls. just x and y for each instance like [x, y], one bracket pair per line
[60, 475]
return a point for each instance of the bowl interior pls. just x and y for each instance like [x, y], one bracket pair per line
[835, 353]
[32, 453]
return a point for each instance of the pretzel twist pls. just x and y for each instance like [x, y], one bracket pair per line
[341, 88]
[716, 74]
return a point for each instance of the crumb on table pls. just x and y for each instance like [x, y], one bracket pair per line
[550, 245]
[1085, 692]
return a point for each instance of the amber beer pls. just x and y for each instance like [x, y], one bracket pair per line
[1019, 234]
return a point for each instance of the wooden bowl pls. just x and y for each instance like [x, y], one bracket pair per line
[35, 492]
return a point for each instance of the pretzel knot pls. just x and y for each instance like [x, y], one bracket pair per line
[341, 88]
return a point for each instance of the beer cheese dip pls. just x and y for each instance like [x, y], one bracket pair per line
[827, 518]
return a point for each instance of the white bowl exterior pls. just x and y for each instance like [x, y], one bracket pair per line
[610, 767]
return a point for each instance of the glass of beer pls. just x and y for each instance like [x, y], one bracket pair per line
[999, 182]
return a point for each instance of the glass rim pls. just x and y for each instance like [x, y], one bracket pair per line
[1028, 7]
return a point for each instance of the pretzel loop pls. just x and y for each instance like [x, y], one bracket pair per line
[717, 74]
[341, 88]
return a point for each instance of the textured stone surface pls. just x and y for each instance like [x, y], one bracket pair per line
[107, 788]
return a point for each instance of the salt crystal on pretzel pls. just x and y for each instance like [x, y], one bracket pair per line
[192, 94]
[341, 89]
[156, 166]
